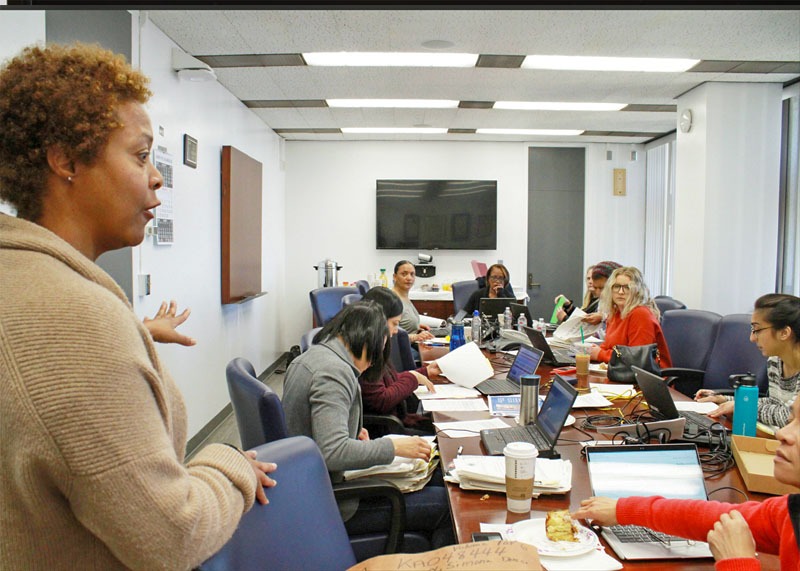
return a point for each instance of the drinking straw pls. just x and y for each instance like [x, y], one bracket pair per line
[582, 339]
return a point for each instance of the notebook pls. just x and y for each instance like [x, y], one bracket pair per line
[525, 363]
[699, 428]
[670, 470]
[544, 432]
[553, 357]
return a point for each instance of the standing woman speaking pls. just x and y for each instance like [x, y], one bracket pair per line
[92, 427]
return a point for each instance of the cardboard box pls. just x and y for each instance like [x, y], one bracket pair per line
[754, 459]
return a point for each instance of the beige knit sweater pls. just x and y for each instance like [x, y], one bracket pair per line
[93, 429]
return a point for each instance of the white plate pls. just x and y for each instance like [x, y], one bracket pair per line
[532, 532]
[570, 420]
[598, 368]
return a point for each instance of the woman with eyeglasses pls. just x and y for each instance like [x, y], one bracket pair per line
[633, 318]
[775, 329]
[498, 284]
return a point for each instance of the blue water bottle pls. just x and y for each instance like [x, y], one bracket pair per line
[745, 404]
[457, 336]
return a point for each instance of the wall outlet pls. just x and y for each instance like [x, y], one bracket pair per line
[144, 284]
[620, 180]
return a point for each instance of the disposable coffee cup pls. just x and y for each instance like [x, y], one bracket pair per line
[520, 467]
[582, 357]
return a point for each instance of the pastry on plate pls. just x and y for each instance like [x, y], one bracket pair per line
[559, 527]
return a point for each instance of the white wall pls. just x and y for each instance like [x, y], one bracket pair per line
[19, 29]
[330, 209]
[726, 198]
[189, 271]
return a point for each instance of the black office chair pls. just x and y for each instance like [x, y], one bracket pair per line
[732, 354]
[665, 303]
[690, 336]
[271, 422]
[461, 292]
[327, 302]
[280, 535]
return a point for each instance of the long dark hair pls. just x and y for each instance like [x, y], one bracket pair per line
[362, 327]
[781, 310]
[392, 307]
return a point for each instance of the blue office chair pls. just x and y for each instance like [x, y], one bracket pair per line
[690, 336]
[461, 293]
[666, 303]
[732, 354]
[363, 286]
[402, 356]
[252, 400]
[351, 298]
[272, 424]
[282, 535]
[327, 301]
[307, 339]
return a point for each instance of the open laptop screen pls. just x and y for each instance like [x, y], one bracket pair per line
[493, 306]
[555, 409]
[526, 363]
[669, 470]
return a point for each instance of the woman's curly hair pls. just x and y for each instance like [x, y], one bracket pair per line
[64, 96]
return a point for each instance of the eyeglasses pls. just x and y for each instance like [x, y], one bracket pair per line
[497, 279]
[755, 332]
[620, 288]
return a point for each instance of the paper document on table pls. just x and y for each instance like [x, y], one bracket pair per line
[467, 428]
[432, 322]
[552, 476]
[466, 366]
[450, 405]
[701, 407]
[446, 392]
[613, 390]
[570, 330]
[591, 399]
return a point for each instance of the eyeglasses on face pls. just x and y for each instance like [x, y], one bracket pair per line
[755, 332]
[497, 279]
[620, 288]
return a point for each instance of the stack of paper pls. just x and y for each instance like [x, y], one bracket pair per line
[407, 474]
[551, 476]
[573, 330]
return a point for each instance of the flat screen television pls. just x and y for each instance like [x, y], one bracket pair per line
[436, 214]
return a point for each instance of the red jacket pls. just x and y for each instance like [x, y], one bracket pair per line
[385, 395]
[769, 523]
[640, 327]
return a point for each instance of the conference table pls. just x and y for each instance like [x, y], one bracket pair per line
[470, 508]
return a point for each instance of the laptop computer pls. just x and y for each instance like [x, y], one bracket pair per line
[544, 432]
[525, 363]
[493, 306]
[518, 309]
[555, 357]
[699, 428]
[670, 470]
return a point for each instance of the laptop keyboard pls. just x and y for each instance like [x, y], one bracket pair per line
[639, 534]
[521, 434]
[702, 421]
[497, 386]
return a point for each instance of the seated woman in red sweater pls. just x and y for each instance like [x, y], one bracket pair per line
[734, 531]
[387, 394]
[632, 316]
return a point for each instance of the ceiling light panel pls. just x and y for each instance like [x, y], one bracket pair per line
[390, 59]
[398, 130]
[395, 103]
[594, 63]
[557, 106]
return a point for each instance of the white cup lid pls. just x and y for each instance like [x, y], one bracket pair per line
[521, 450]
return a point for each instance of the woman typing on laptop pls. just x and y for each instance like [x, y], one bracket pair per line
[734, 531]
[775, 329]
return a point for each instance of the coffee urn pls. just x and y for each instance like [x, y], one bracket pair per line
[327, 273]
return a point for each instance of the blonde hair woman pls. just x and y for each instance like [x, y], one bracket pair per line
[633, 318]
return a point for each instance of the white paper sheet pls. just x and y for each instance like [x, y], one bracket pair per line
[701, 407]
[570, 330]
[467, 428]
[446, 392]
[613, 389]
[591, 399]
[432, 322]
[449, 405]
[466, 366]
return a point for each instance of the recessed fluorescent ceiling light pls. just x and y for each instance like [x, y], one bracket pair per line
[412, 103]
[400, 130]
[608, 63]
[554, 132]
[557, 106]
[382, 59]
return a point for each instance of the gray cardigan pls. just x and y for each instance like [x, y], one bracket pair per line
[322, 400]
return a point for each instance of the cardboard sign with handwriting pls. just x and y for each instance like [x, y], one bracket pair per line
[478, 556]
